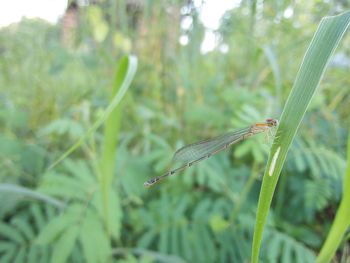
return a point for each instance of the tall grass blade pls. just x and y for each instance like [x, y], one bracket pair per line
[128, 66]
[341, 222]
[112, 215]
[323, 44]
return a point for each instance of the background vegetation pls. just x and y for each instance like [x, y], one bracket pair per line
[56, 81]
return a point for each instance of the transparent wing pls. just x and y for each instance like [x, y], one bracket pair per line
[200, 149]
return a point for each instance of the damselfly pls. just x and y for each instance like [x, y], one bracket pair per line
[199, 151]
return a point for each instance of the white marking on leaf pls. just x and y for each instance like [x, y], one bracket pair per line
[273, 162]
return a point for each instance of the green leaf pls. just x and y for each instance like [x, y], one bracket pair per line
[4, 246]
[115, 211]
[218, 224]
[283, 248]
[63, 186]
[44, 255]
[115, 214]
[64, 246]
[125, 73]
[24, 227]
[341, 221]
[8, 256]
[20, 236]
[55, 228]
[80, 170]
[322, 46]
[274, 249]
[20, 256]
[39, 220]
[272, 59]
[147, 239]
[128, 66]
[164, 241]
[11, 233]
[28, 193]
[185, 243]
[94, 240]
[33, 254]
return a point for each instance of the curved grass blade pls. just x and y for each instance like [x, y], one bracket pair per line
[341, 221]
[126, 71]
[323, 44]
[112, 210]
[28, 193]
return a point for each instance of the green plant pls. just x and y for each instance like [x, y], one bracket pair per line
[51, 95]
[326, 39]
[18, 236]
[341, 221]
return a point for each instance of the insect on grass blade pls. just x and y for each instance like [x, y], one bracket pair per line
[199, 151]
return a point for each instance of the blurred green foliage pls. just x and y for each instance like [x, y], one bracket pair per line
[51, 93]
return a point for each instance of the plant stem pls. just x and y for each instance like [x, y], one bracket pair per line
[341, 222]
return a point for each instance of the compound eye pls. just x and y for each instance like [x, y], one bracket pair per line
[270, 121]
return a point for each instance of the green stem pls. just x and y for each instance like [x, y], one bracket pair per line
[341, 222]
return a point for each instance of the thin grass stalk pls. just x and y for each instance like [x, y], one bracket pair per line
[341, 222]
[111, 136]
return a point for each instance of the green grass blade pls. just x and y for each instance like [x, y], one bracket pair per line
[323, 44]
[341, 222]
[127, 66]
[107, 161]
[28, 193]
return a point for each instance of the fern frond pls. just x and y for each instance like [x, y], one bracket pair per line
[18, 236]
[281, 247]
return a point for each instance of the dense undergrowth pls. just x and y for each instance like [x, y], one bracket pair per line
[50, 95]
